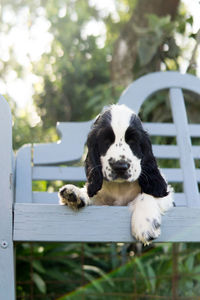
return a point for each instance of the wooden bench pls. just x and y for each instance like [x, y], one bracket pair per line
[26, 215]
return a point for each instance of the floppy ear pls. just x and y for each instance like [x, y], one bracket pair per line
[150, 180]
[93, 165]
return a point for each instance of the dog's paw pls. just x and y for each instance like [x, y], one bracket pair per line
[70, 195]
[167, 202]
[146, 219]
[147, 231]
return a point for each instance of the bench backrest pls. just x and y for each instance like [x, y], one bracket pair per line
[46, 161]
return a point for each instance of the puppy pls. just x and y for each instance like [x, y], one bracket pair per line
[122, 170]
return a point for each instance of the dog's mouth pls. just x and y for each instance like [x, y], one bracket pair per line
[117, 176]
[123, 176]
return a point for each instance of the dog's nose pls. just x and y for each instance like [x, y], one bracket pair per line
[119, 166]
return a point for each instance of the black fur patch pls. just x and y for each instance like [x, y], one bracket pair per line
[81, 204]
[156, 224]
[72, 197]
[150, 180]
[150, 237]
[99, 140]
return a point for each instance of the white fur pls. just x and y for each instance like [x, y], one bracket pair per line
[121, 116]
[167, 202]
[120, 121]
[145, 214]
[146, 210]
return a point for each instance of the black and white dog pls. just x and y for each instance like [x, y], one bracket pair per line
[122, 170]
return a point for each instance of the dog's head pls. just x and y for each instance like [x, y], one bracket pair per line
[120, 150]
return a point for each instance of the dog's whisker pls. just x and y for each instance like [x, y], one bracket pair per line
[97, 166]
[144, 175]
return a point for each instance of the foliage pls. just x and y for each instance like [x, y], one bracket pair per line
[26, 133]
[158, 43]
[159, 30]
[146, 268]
[88, 270]
[75, 70]
[58, 267]
[74, 74]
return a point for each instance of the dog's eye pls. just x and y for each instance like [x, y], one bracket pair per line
[130, 141]
[107, 142]
[131, 137]
[105, 139]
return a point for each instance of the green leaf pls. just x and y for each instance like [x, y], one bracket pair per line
[147, 47]
[174, 50]
[56, 274]
[143, 273]
[197, 269]
[152, 277]
[156, 22]
[196, 277]
[98, 271]
[190, 20]
[39, 282]
[94, 283]
[38, 266]
[190, 263]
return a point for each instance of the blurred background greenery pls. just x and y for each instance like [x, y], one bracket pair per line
[63, 60]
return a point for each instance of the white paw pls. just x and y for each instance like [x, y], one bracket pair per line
[167, 202]
[146, 218]
[71, 196]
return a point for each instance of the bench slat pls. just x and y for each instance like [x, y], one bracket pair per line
[97, 224]
[24, 174]
[78, 174]
[172, 151]
[7, 264]
[59, 173]
[58, 153]
[169, 129]
[52, 198]
[70, 148]
[185, 147]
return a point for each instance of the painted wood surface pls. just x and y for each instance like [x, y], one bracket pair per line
[7, 280]
[59, 173]
[23, 188]
[78, 174]
[138, 91]
[97, 224]
[69, 148]
[169, 129]
[52, 198]
[185, 148]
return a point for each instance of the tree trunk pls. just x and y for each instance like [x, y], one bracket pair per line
[125, 48]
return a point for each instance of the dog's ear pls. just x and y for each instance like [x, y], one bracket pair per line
[150, 180]
[93, 165]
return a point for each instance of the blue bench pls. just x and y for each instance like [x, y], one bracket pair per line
[26, 215]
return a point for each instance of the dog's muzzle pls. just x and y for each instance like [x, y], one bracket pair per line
[119, 169]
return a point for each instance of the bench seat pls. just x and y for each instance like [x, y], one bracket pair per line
[27, 215]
